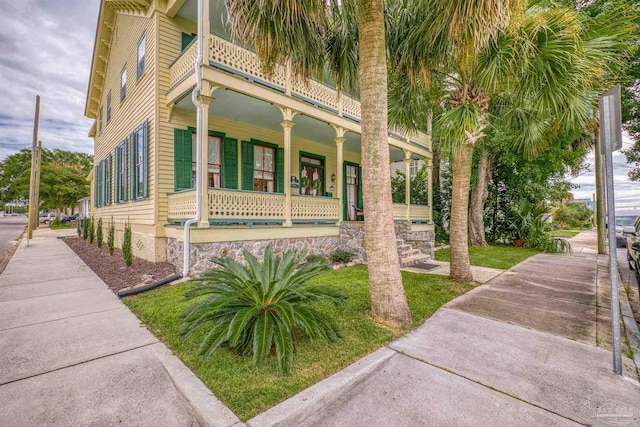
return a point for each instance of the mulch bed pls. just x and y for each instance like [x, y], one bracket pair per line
[112, 270]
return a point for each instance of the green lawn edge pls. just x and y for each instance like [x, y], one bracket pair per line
[494, 256]
[247, 390]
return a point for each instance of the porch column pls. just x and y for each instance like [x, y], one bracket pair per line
[430, 187]
[287, 124]
[340, 177]
[203, 140]
[407, 182]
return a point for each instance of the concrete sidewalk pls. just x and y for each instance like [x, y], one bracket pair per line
[520, 350]
[73, 354]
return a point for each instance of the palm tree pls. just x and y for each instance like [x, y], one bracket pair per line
[301, 33]
[547, 59]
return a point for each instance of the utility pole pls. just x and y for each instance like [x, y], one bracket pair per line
[37, 183]
[600, 198]
[33, 208]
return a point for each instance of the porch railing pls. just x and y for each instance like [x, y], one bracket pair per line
[229, 206]
[315, 209]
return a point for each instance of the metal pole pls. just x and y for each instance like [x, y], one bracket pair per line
[599, 196]
[33, 213]
[613, 258]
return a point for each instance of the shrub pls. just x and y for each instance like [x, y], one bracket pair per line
[79, 231]
[56, 222]
[574, 215]
[257, 307]
[126, 245]
[85, 229]
[92, 230]
[315, 258]
[341, 255]
[99, 233]
[111, 236]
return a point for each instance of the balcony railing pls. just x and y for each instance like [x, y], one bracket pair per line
[243, 62]
[248, 207]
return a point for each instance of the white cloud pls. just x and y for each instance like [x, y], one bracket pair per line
[627, 193]
[45, 49]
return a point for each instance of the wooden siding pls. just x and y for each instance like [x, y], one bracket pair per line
[138, 106]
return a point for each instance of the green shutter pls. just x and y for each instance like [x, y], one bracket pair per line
[247, 165]
[132, 166]
[145, 158]
[344, 191]
[116, 176]
[186, 39]
[360, 204]
[182, 159]
[280, 170]
[230, 163]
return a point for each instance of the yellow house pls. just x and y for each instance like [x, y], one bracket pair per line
[282, 155]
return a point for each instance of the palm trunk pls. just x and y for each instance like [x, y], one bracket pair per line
[458, 239]
[478, 199]
[435, 172]
[388, 301]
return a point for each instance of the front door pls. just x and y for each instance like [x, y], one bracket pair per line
[353, 191]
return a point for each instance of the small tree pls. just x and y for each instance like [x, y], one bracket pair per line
[111, 236]
[92, 230]
[99, 233]
[78, 228]
[85, 229]
[126, 245]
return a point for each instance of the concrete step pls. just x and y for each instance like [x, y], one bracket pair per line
[415, 259]
[411, 252]
[404, 248]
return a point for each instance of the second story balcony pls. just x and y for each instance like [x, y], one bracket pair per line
[228, 57]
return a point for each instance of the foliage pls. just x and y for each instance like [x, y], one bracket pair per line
[78, 229]
[530, 223]
[127, 255]
[86, 225]
[257, 307]
[111, 236]
[304, 182]
[226, 374]
[315, 258]
[317, 184]
[573, 215]
[340, 255]
[62, 177]
[99, 233]
[92, 230]
[419, 187]
[56, 222]
[502, 257]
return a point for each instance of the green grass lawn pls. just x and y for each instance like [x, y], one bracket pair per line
[60, 226]
[494, 256]
[565, 233]
[248, 390]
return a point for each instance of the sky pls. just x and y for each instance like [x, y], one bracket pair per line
[45, 49]
[627, 193]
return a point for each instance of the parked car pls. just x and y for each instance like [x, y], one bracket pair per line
[46, 218]
[624, 218]
[632, 234]
[68, 219]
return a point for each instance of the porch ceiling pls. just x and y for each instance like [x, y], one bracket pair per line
[217, 14]
[232, 105]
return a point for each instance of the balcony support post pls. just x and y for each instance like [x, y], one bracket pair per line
[287, 124]
[340, 176]
[203, 140]
[430, 187]
[407, 182]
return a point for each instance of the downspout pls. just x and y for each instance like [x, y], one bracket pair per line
[194, 99]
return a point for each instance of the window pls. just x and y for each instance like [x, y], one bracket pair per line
[264, 168]
[186, 40]
[121, 172]
[102, 182]
[138, 185]
[311, 174]
[108, 106]
[123, 83]
[214, 161]
[413, 168]
[142, 50]
[100, 121]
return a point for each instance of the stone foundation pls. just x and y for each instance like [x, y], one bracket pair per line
[351, 239]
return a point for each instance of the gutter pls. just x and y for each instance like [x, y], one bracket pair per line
[199, 130]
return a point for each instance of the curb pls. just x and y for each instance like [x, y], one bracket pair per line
[207, 409]
[630, 326]
[293, 411]
[4, 261]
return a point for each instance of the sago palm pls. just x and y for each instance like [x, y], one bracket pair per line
[256, 307]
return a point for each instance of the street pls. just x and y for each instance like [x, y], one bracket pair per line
[11, 227]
